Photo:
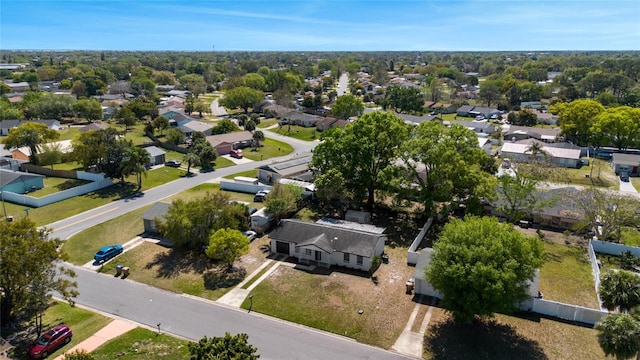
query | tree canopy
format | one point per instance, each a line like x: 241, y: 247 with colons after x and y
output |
x: 347, y: 106
x: 227, y: 245
x: 241, y: 97
x: 229, y: 347
x: 363, y: 152
x: 29, y: 270
x: 403, y: 99
x: 482, y: 266
x: 619, y: 335
x: 31, y: 135
x: 620, y: 290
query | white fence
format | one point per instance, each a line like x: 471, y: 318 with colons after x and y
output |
x: 242, y: 187
x: 567, y: 311
x: 595, y: 270
x: 412, y: 253
x: 99, y: 182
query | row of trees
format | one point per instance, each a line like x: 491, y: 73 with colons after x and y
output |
x: 429, y: 164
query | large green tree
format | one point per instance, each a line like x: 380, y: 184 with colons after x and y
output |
x: 403, y: 99
x: 364, y: 153
x: 443, y: 165
x: 190, y: 224
x: 347, y: 106
x: 31, y: 135
x: 90, y: 148
x: 29, y: 270
x: 227, y: 245
x: 229, y: 347
x: 481, y: 266
x: 618, y: 126
x: 89, y: 109
x: 619, y: 335
x: 282, y: 200
x: 490, y: 92
x: 241, y: 97
x: 576, y: 119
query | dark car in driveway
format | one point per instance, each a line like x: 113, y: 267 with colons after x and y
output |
x: 107, y: 253
x: 50, y: 341
x: 173, y: 163
x: 261, y: 195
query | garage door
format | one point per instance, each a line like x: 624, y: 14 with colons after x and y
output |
x: 282, y: 247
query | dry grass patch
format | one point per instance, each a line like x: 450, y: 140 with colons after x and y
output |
x: 330, y: 300
x: 509, y: 337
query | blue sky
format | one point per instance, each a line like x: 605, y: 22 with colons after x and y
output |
x: 342, y: 25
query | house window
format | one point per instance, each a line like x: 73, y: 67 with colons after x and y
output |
x: 359, y: 260
x: 307, y: 252
x: 346, y: 258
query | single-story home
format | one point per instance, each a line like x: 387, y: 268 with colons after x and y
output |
x: 18, y: 87
x: 20, y: 182
x: 156, y: 154
x: 224, y: 143
x: 520, y: 150
x: 485, y: 144
x: 301, y: 119
x: 464, y: 110
x: 296, y: 168
x: 7, y: 125
x: 196, y: 126
x: 516, y: 133
x: 327, y: 245
x: 629, y: 163
x: 22, y: 153
x: 480, y: 127
x: 415, y: 120
x: 560, y: 214
x: 443, y: 108
x: 96, y: 125
x: 484, y: 111
x: 530, y: 104
x: 156, y: 211
x: 547, y: 118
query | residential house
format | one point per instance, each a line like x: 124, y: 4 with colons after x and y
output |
x: 20, y: 182
x: 9, y: 164
x: 516, y: 133
x: 443, y: 108
x: 521, y: 150
x: 327, y: 245
x: 156, y: 212
x: 546, y: 118
x: 13, y: 67
x: 530, y: 105
x: 480, y: 127
x: 296, y: 169
x: 196, y: 126
x: 156, y: 154
x: 184, y: 93
x: 301, y: 119
x: 7, y: 125
x: 224, y: 143
x: 483, y: 111
x: 326, y: 123
x: 629, y: 163
x: 94, y: 126
x: 23, y: 153
x: 485, y: 144
x: 18, y: 87
x: 558, y: 213
x: 464, y: 110
x: 415, y: 120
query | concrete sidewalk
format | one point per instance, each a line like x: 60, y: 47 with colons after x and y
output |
x: 112, y: 330
x: 409, y: 342
x: 236, y: 296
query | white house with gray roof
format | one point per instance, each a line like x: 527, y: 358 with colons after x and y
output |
x: 156, y: 212
x: 327, y: 245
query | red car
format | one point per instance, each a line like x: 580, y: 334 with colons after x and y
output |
x: 50, y: 341
x: 236, y: 154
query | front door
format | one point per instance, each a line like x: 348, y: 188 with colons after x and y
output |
x: 318, y: 255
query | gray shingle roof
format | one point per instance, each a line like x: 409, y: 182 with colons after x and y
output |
x: 157, y: 210
x: 327, y: 238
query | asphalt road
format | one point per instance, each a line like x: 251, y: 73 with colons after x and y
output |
x: 66, y: 228
x: 342, y: 84
x: 192, y: 318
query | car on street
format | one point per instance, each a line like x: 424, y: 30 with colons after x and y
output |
x: 251, y: 235
x: 107, y: 253
x: 50, y: 341
x: 173, y: 163
x: 261, y: 195
x: 236, y: 153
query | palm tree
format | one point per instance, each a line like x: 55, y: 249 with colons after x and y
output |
x: 619, y: 335
x: 536, y: 148
x: 190, y: 158
x: 135, y: 162
x: 620, y: 289
x: 257, y: 137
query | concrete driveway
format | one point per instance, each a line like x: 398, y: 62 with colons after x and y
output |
x: 627, y: 187
x: 236, y: 161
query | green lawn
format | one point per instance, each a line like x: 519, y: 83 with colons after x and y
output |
x: 271, y: 148
x: 222, y: 163
x: 630, y: 236
x: 298, y: 132
x: 54, y: 184
x: 636, y: 182
x: 81, y: 247
x: 143, y: 344
x: 602, y: 176
x: 72, y: 165
x: 266, y: 123
x: 68, y: 133
x: 566, y: 276
x: 165, y: 268
x: 82, y: 322
x: 249, y: 173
